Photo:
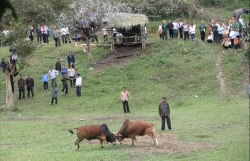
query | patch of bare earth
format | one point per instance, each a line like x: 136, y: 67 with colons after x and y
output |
x: 121, y: 56
x: 220, y: 74
x: 33, y: 60
x: 168, y: 144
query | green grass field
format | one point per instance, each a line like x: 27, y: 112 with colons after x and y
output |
x: 35, y: 130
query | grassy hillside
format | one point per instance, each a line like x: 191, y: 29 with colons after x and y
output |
x: 200, y: 113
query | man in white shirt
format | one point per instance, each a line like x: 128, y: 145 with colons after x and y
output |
x: 53, y: 74
x: 64, y: 32
x: 175, y: 28
x: 105, y: 34
x: 78, y: 85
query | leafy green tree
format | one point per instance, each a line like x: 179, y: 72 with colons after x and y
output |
x: 17, y: 37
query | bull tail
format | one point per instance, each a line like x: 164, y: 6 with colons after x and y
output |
x: 71, y: 130
x: 154, y: 130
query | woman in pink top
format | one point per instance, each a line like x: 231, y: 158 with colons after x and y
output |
x: 43, y: 31
x: 124, y: 97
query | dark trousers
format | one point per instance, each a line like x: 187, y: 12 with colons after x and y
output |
x: 165, y: 35
x: 64, y: 38
x: 232, y: 42
x: 65, y: 87
x: 163, y: 118
x: 53, y: 82
x: 21, y: 91
x: 125, y: 106
x: 47, y: 38
x: 71, y: 82
x: 186, y: 35
x: 39, y: 37
x: 30, y: 90
x: 181, y: 33
x: 44, y: 38
x: 216, y: 36
x: 171, y: 33
x: 71, y: 63
x: 202, y: 35
x: 45, y: 85
x: 209, y: 41
x: 78, y: 91
x: 74, y: 82
x: 12, y: 86
x: 220, y: 38
x: 57, y: 42
x: 105, y: 38
x: 31, y: 37
x: 52, y: 100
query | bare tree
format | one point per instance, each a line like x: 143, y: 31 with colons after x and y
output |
x: 90, y: 13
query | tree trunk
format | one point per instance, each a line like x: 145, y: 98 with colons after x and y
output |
x: 9, y: 94
x: 89, y: 51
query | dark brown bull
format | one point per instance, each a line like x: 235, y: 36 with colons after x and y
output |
x: 90, y: 132
x: 130, y: 129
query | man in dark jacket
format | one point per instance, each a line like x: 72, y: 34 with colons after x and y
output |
x: 71, y: 59
x: 164, y: 113
x: 21, y: 85
x: 3, y: 65
x: 164, y: 30
x: 65, y: 83
x: 39, y: 33
x: 30, y: 85
x: 58, y: 65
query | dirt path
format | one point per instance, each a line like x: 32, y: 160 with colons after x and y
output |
x: 220, y: 74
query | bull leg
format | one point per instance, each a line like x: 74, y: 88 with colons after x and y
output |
x: 101, y: 143
x: 134, y: 140
x: 77, y: 143
x: 154, y: 138
x: 103, y: 138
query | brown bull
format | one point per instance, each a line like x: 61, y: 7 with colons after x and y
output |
x: 90, y: 132
x: 130, y: 129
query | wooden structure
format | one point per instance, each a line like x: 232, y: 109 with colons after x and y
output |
x: 130, y: 28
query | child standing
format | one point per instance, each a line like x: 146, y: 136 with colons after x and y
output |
x: 45, y: 79
x: 54, y: 95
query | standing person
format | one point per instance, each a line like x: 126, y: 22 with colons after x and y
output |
x: 105, y: 34
x: 63, y: 70
x: 124, y: 97
x: 30, y: 85
x: 220, y: 28
x: 65, y: 83
x: 181, y: 29
x: 145, y: 32
x: 12, y: 78
x: 47, y: 34
x: 78, y: 85
x: 54, y: 95
x: 58, y: 65
x: 71, y: 59
x: 175, y: 28
x: 214, y: 28
x: 160, y: 30
x: 38, y: 33
x: 3, y: 65
x: 53, y: 74
x: 164, y: 113
x: 31, y: 33
x: 114, y: 31
x: 71, y: 73
x: 192, y: 31
x: 164, y: 30
x: 56, y: 36
x: 202, y: 30
x: 186, y: 30
x: 43, y: 31
x: 64, y: 34
x: 74, y: 78
x: 45, y: 79
x: 21, y: 85
x: 170, y: 28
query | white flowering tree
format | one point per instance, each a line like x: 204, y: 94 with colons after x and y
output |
x: 92, y: 11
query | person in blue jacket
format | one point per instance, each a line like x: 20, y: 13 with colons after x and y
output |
x: 45, y: 80
x: 64, y: 70
x: 71, y: 60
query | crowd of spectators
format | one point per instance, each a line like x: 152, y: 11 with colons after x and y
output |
x: 227, y: 34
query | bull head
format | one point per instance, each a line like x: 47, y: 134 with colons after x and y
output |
x: 119, y: 138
